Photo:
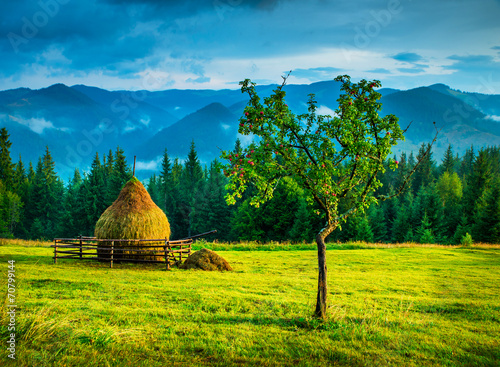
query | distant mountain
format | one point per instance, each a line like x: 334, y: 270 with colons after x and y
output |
x: 489, y: 104
x: 211, y: 128
x: 78, y: 121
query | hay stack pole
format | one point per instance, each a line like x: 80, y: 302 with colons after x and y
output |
x: 133, y: 215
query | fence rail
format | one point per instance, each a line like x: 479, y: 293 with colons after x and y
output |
x: 125, y: 250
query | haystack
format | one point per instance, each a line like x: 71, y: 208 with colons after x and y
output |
x: 133, y: 215
x: 205, y: 259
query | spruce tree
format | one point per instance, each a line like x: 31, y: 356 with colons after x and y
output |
x: 363, y: 230
x: 487, y: 215
x: 6, y: 165
x: 378, y: 222
x: 93, y: 195
x: 166, y: 186
x: 448, y: 162
x: 477, y: 181
x: 449, y: 189
x: 402, y: 228
x: 467, y: 163
x: 424, y: 173
x: 120, y: 174
x: 153, y: 189
x: 71, y: 224
x: 191, y: 184
x: 302, y: 228
x: 44, y: 202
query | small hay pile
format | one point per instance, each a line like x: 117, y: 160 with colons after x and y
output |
x: 133, y: 215
x: 205, y: 259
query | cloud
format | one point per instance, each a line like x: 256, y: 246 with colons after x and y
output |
x: 37, y: 125
x: 411, y: 70
x: 407, y: 57
x: 474, y: 63
x: 315, y: 74
x: 214, y: 43
x: 493, y: 117
x: 379, y: 71
x: 201, y: 79
x: 324, y: 110
x: 153, y: 165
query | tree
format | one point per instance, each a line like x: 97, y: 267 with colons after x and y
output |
x: 449, y: 162
x: 302, y: 230
x: 166, y: 186
x: 46, y: 192
x: 120, y: 174
x: 449, y: 189
x: 71, y: 222
x: 10, y: 211
x: 331, y: 158
x: 424, y: 174
x: 191, y: 183
x: 6, y: 165
x: 487, y: 215
x: 93, y: 196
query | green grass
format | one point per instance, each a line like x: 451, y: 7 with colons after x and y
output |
x: 401, y: 306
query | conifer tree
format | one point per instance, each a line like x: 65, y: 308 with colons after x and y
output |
x: 93, y: 195
x: 153, y: 189
x: 378, y: 222
x: 120, y: 174
x: 448, y: 162
x: 302, y: 228
x: 166, y: 186
x: 424, y: 174
x: 6, y: 165
x: 45, y: 198
x: 363, y: 230
x: 487, y: 215
x: 71, y: 224
x: 191, y: 184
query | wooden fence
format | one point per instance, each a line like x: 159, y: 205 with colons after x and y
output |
x: 114, y: 250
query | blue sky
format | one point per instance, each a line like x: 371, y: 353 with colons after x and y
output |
x: 213, y: 44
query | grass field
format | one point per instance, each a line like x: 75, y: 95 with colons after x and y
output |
x: 388, y: 305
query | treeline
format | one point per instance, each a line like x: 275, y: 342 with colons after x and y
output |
x: 441, y: 203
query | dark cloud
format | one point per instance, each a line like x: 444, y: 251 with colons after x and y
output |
x: 121, y: 38
x: 474, y: 63
x: 407, y: 57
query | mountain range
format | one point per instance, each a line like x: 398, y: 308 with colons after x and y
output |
x: 78, y: 121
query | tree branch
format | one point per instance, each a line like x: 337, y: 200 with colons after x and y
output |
x: 407, y: 179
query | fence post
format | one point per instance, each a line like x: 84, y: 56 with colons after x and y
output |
x: 112, y: 248
x: 55, y: 251
x: 81, y: 252
x: 167, y: 260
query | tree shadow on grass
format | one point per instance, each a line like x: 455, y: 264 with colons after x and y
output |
x: 294, y: 323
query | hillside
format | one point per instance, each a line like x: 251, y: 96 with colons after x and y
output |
x: 78, y: 121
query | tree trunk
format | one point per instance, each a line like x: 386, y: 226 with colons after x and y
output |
x: 322, y: 283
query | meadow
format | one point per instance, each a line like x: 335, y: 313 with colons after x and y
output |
x: 397, y: 305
